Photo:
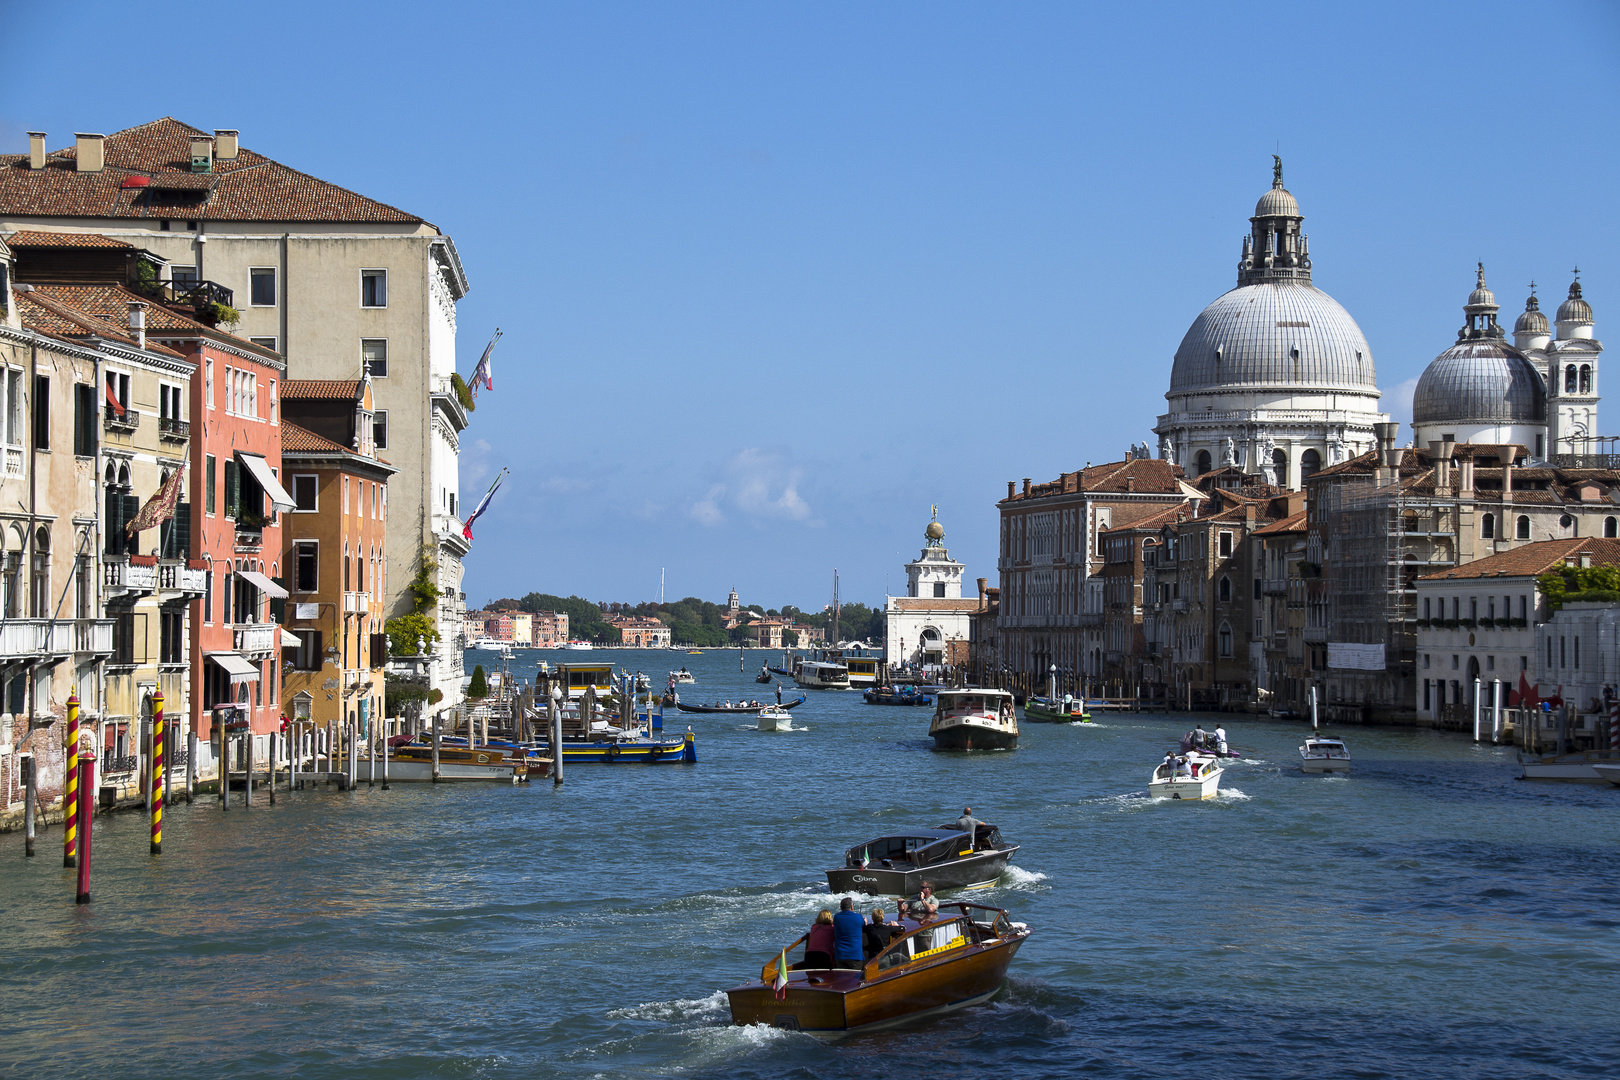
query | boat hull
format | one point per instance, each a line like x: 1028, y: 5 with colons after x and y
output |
x: 843, y: 1002
x: 1611, y: 773
x: 1042, y: 714
x: 1187, y: 789
x: 1580, y: 768
x: 975, y: 871
x: 1325, y: 765
x: 967, y: 736
x: 644, y: 752
x: 413, y: 769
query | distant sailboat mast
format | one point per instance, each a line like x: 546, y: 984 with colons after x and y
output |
x: 834, y: 642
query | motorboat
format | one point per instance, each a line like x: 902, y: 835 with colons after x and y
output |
x: 1063, y: 710
x: 412, y: 762
x: 1611, y: 773
x: 897, y: 864
x: 1581, y: 767
x: 821, y: 675
x: 774, y: 718
x: 971, y: 719
x: 1321, y: 754
x: 891, y: 695
x: 738, y: 707
x: 488, y: 644
x: 956, y: 960
x: 577, y: 646
x: 1190, y: 776
x: 682, y: 676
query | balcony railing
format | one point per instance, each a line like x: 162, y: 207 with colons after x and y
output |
x: 22, y: 639
x: 256, y: 638
x: 176, y: 576
x: 356, y: 603
x: 118, y: 763
x: 121, y: 575
x: 1275, y: 586
x: 128, y: 420
x: 172, y: 428
x: 93, y: 636
x: 14, y: 461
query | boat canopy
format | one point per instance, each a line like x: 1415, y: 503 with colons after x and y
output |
x: 921, y: 847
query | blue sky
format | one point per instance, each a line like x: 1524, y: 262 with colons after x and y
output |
x: 776, y: 277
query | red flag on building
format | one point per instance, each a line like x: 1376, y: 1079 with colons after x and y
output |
x: 112, y: 399
x: 159, y: 507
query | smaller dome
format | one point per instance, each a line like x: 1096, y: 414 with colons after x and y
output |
x: 1534, y: 320
x: 1575, y: 309
x: 1481, y: 298
x: 1277, y: 203
x: 1480, y: 382
x: 935, y: 531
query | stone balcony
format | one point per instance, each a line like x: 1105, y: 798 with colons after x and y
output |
x: 256, y: 639
x: 129, y: 577
x: 126, y: 421
x: 41, y: 639
x: 176, y: 575
x: 356, y: 603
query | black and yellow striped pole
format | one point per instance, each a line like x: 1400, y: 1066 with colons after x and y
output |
x: 157, y: 773
x: 70, y: 791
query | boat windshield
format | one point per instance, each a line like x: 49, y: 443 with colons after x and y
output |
x: 933, y: 939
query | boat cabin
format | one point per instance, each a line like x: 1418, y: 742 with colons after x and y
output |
x: 1319, y: 747
x: 576, y: 677
x: 962, y: 702
x: 923, y: 847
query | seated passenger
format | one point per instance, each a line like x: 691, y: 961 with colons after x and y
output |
x: 877, y: 934
x: 925, y: 899
x: 818, y: 947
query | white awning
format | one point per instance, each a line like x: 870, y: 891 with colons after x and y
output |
x: 263, y: 584
x: 290, y: 641
x: 260, y: 468
x: 240, y: 670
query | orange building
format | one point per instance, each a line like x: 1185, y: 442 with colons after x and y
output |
x: 334, y: 552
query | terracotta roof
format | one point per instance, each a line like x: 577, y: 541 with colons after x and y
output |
x: 25, y: 238
x: 1155, y: 519
x: 932, y: 603
x: 295, y: 439
x: 59, y: 318
x: 1531, y: 560
x: 321, y: 389
x: 250, y: 188
x: 1137, y: 476
x: 1294, y: 523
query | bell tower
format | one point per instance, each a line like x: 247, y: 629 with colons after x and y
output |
x: 1572, y: 377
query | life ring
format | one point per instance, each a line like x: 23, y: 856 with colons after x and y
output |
x: 612, y: 752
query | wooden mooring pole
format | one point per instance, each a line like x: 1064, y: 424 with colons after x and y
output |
x: 70, y: 794
x: 29, y: 799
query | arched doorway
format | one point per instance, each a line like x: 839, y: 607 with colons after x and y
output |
x: 1201, y: 463
x: 1309, y: 462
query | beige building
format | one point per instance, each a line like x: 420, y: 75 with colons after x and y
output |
x: 638, y: 632
x: 550, y: 628
x: 330, y: 279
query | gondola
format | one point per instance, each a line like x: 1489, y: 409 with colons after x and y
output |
x: 751, y: 710
x: 763, y: 677
x: 956, y: 960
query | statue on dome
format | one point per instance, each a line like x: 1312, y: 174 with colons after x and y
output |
x: 1167, y: 449
x: 1276, y: 170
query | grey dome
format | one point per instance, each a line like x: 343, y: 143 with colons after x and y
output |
x: 1277, y: 203
x: 1480, y: 381
x: 1274, y: 334
x: 1482, y: 297
x: 1575, y: 309
x: 1534, y: 320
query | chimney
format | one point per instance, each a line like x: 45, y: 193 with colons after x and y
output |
x: 1026, y: 485
x: 1442, y: 477
x: 202, y: 153
x: 1012, y: 488
x: 36, y: 150
x: 983, y: 582
x: 225, y: 144
x: 1465, y: 483
x: 91, y: 154
x: 1586, y: 560
x: 1389, y: 453
x: 137, y: 322
x: 1507, y: 482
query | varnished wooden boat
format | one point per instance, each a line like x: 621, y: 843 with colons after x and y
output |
x: 413, y: 763
x: 957, y: 960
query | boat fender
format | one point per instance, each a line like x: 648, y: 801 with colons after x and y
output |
x: 612, y: 751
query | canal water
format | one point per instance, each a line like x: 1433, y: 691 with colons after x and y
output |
x: 1428, y: 916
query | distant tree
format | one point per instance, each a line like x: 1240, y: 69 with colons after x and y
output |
x: 790, y: 639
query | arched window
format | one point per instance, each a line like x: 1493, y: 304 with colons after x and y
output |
x: 40, y: 572
x: 1487, y: 526
x: 1225, y: 639
x: 1226, y: 590
x: 1569, y: 379
x: 1309, y: 463
x: 1201, y: 463
x: 1609, y: 527
x: 1523, y: 530
x: 1279, y: 462
x: 1567, y: 522
x: 1586, y: 378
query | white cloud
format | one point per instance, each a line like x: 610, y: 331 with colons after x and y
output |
x: 754, y: 483
x: 1398, y: 402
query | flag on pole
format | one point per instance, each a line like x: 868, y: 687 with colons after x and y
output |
x: 482, y: 373
x: 866, y: 857
x: 780, y: 985
x: 160, y: 507
x: 483, y: 504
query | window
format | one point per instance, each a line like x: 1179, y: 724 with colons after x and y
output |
x: 939, y: 589
x: 1541, y: 445
x: 267, y: 342
x: 208, y: 596
x: 1426, y: 611
x: 1522, y: 532
x: 1309, y: 464
x: 1425, y: 661
x: 233, y: 488
x: 1609, y: 527
x: 208, y: 383
x: 272, y: 401
x: 1487, y: 527
x: 1226, y: 587
x: 42, y: 412
x: 1225, y: 638
x: 85, y: 417
x: 14, y: 407
x: 1225, y: 545
x: 1473, y: 608
x: 307, y: 657
x: 173, y: 642
x: 306, y: 566
x: 379, y: 429
x: 183, y: 277
x: 262, y: 286
x: 169, y: 407
x: 1569, y: 379
x: 374, y: 356
x: 345, y: 496
x: 1586, y: 379
x: 374, y: 288
x: 1490, y: 663
x: 208, y: 483
x: 304, y: 493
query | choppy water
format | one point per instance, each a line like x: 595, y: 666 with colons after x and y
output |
x: 1428, y: 916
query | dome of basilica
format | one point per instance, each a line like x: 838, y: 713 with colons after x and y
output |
x: 1481, y: 381
x: 1275, y: 334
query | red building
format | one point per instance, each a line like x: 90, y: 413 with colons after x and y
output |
x: 236, y: 638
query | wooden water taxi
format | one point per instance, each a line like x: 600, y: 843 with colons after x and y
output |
x: 413, y: 763
x: 957, y: 960
x: 899, y: 863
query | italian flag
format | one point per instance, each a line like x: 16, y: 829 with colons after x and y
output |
x: 780, y: 985
x: 866, y: 857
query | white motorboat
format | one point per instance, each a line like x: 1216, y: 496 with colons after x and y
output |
x: 775, y: 718
x: 970, y: 719
x: 682, y: 676
x: 578, y: 646
x: 1193, y: 775
x: 1611, y: 773
x: 1321, y: 754
x: 490, y: 644
x: 1578, y: 768
x: 821, y: 675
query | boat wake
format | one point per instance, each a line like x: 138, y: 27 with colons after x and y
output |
x: 1231, y: 794
x: 1016, y: 877
x: 795, y: 904
x: 711, y: 1009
